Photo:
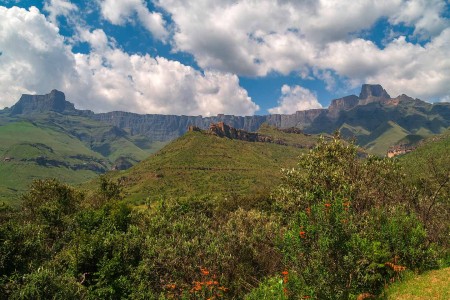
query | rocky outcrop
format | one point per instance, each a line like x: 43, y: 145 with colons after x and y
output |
x: 399, y: 150
x: 55, y: 101
x: 338, y: 105
x: 372, y: 93
x: 223, y: 130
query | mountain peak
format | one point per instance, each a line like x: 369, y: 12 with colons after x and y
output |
x: 54, y: 101
x: 372, y: 93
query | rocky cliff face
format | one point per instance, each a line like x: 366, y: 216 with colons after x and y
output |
x: 338, y: 105
x: 372, y: 93
x: 223, y: 130
x: 353, y: 109
x: 55, y: 101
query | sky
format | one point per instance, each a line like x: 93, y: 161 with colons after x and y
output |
x: 203, y: 57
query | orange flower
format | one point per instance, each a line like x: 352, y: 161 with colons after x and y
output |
x: 285, y: 273
x: 204, y: 271
x: 327, y: 205
x: 302, y: 234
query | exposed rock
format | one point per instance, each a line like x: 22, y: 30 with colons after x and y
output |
x: 338, y: 105
x: 399, y: 150
x: 372, y: 93
x: 122, y: 163
x: 55, y: 101
x: 192, y: 128
x: 291, y: 130
x: 223, y: 130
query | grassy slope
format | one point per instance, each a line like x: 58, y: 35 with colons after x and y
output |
x: 383, y: 137
x: 434, y: 151
x: 23, y: 140
x: 68, y: 140
x: 110, y: 144
x: 431, y: 285
x: 199, y: 164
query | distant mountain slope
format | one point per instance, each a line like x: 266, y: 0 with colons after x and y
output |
x: 45, y: 136
x: 118, y: 140
x: 358, y: 116
x: 202, y: 163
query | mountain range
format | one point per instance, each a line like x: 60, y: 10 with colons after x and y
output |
x: 46, y: 136
x: 374, y: 110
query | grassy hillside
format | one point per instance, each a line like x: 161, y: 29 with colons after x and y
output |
x: 29, y: 152
x: 433, y: 155
x: 431, y: 285
x: 73, y: 149
x: 199, y: 164
x: 384, y: 136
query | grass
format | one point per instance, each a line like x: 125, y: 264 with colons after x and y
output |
x: 383, y: 137
x: 199, y: 164
x: 432, y: 156
x: 430, y: 285
x: 69, y: 144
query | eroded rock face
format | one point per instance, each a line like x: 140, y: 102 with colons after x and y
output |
x: 344, y: 103
x: 54, y: 101
x: 372, y: 93
x: 221, y: 129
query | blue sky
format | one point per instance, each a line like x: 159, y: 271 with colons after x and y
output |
x: 209, y: 57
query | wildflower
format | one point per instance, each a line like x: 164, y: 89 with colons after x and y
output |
x: 285, y: 273
x: 327, y: 205
x: 302, y: 234
x: 204, y: 271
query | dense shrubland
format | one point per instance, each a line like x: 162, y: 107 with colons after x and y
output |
x: 337, y: 227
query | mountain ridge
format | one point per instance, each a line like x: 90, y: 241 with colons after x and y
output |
x: 371, y: 108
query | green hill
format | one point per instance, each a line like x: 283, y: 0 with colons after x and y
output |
x: 199, y: 164
x: 384, y: 136
x: 431, y: 156
x: 73, y: 149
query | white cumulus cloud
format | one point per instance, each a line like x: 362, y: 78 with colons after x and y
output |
x: 295, y: 98
x: 320, y: 38
x: 36, y: 59
x: 57, y: 8
x: 119, y: 12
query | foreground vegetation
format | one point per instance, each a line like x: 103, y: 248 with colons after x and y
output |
x: 338, y: 226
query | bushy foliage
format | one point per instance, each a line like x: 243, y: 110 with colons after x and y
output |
x: 337, y: 227
x: 347, y: 219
